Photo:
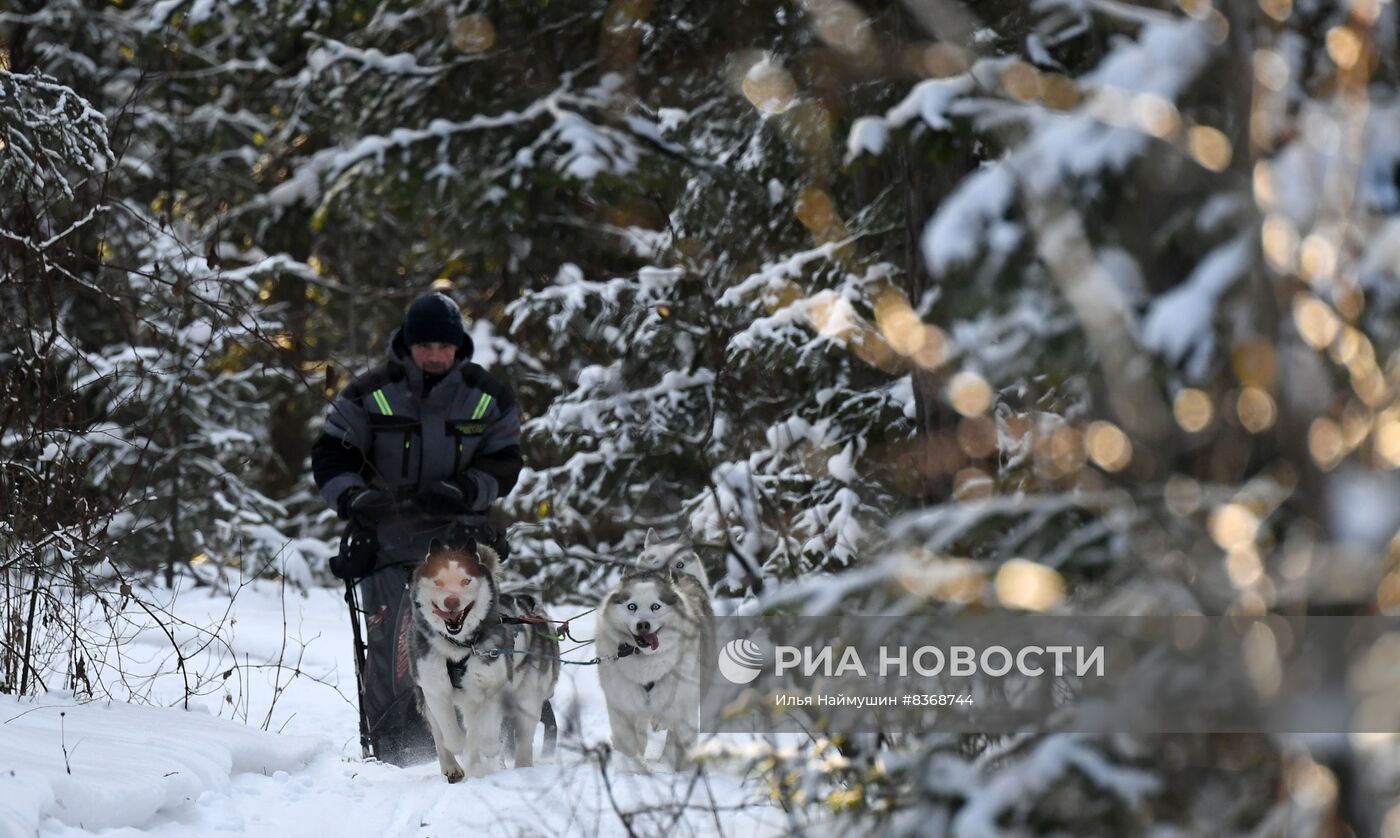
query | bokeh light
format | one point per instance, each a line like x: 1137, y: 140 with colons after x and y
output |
x: 1193, y: 410
x: 1025, y: 584
x: 969, y: 393
x: 1109, y: 447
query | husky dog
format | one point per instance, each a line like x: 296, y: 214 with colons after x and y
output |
x: 469, y: 657
x: 676, y: 557
x: 651, y: 631
x: 679, y: 559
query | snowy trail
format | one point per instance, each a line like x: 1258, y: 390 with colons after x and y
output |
x: 332, y: 796
x: 164, y: 771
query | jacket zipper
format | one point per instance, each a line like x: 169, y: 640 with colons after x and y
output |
x: 407, y: 454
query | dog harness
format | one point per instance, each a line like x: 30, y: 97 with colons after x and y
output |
x: 457, y: 669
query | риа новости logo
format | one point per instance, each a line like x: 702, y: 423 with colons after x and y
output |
x: 740, y: 661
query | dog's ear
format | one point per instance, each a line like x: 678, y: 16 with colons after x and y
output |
x: 651, y: 540
x: 489, y: 558
x: 435, y: 546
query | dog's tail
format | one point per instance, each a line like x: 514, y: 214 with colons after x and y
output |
x: 551, y: 728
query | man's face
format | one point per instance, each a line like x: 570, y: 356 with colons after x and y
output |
x: 433, y: 357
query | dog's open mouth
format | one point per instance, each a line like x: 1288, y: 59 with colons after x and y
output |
x: 650, y: 641
x: 453, y: 620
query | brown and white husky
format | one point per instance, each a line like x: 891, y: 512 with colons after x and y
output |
x: 474, y: 663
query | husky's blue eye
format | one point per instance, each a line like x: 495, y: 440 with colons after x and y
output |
x: 656, y: 606
x: 631, y: 606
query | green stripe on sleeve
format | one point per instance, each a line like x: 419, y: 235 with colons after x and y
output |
x: 481, y: 407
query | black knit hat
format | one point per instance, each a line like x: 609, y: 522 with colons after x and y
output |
x: 433, y: 318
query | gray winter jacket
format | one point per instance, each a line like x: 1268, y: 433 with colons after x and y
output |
x: 381, y: 432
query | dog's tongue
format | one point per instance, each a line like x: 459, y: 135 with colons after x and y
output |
x: 652, y: 640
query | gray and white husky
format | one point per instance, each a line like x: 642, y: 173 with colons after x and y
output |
x: 655, y: 638
x: 473, y: 665
x: 675, y: 557
x: 679, y: 559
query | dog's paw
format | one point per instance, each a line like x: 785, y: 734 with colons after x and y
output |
x: 450, y: 769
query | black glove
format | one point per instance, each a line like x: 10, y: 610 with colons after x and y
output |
x: 447, y: 498
x: 366, y: 507
x: 359, y: 551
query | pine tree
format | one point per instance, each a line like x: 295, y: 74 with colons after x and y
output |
x: 161, y: 356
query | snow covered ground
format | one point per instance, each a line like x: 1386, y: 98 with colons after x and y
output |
x: 270, y: 745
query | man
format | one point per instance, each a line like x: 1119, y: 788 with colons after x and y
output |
x: 413, y: 450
